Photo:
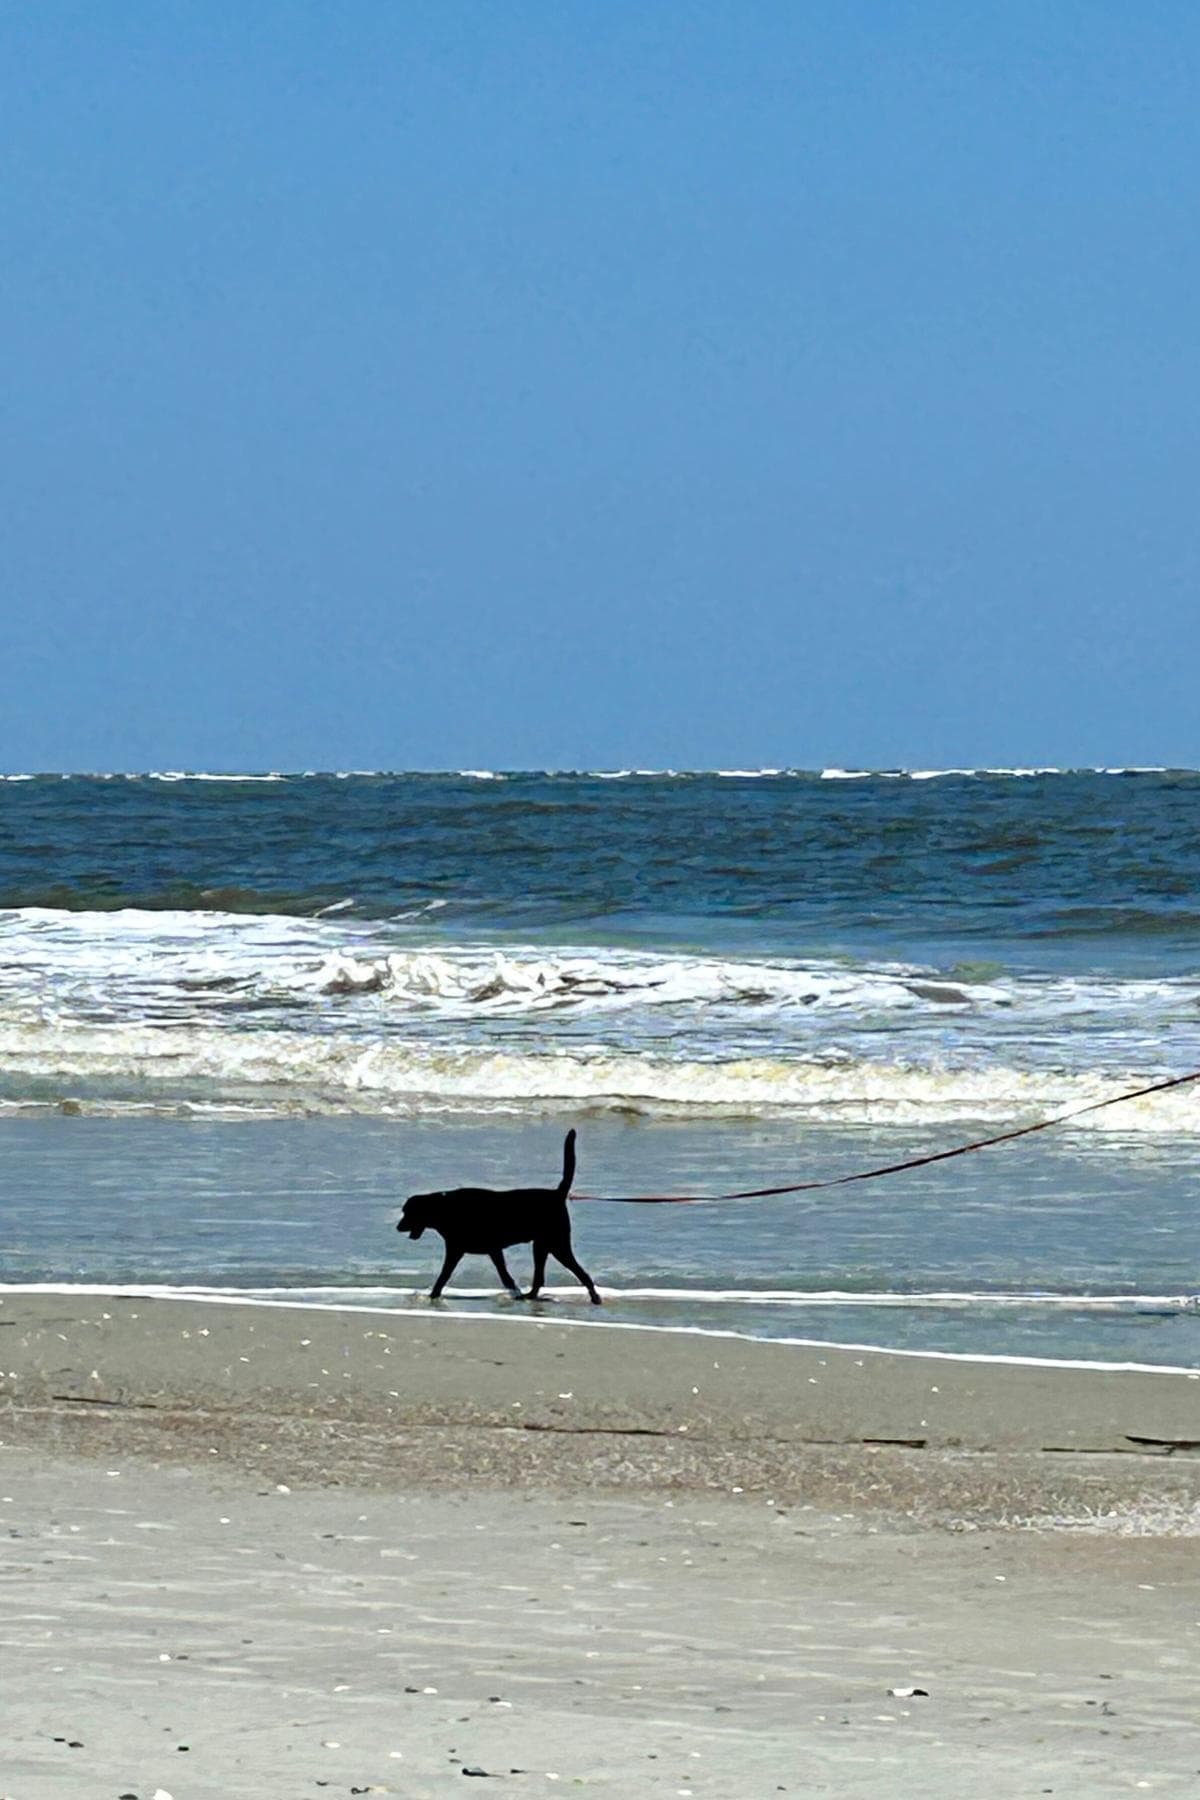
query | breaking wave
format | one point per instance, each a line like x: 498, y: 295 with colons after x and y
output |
x: 178, y: 963
x: 98, y: 1068
x: 137, y: 1008
x: 538, y: 981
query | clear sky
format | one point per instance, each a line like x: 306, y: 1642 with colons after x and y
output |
x: 591, y: 383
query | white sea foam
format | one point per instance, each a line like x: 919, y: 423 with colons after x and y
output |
x: 863, y: 775
x: 1048, y: 769
x: 206, y: 775
x: 783, y: 1298
x: 126, y: 965
x: 831, y: 773
x: 303, y: 1070
x: 836, y: 774
x: 204, y: 1008
x: 131, y: 952
x: 480, y: 977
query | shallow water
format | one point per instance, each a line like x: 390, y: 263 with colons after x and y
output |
x: 1004, y: 1253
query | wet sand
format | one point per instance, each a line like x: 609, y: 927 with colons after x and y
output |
x: 425, y: 1397
x: 633, y: 1562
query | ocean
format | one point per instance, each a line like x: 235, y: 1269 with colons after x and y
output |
x: 242, y: 1016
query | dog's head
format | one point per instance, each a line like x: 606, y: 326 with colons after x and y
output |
x: 420, y: 1211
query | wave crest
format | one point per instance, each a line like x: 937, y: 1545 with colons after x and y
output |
x: 281, y: 1071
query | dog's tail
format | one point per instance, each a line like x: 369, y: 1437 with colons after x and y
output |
x: 568, y: 1174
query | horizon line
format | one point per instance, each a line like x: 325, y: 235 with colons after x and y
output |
x: 828, y: 772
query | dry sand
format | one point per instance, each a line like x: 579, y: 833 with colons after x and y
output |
x: 627, y: 1562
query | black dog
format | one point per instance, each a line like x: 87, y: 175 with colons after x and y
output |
x: 486, y: 1221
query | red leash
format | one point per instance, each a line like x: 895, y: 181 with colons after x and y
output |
x: 916, y: 1162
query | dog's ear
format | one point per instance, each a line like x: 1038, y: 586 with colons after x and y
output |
x: 414, y: 1216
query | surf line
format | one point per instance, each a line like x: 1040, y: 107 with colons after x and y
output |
x: 913, y: 1162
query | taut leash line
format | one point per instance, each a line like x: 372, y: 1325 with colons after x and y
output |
x: 915, y: 1162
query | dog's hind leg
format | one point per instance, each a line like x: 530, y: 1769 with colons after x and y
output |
x: 502, y: 1271
x: 564, y: 1255
x: 452, y: 1260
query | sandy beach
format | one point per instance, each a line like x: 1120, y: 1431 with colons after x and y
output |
x: 263, y: 1551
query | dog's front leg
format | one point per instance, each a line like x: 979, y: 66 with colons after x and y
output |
x: 451, y: 1262
x: 540, y: 1253
x: 502, y: 1271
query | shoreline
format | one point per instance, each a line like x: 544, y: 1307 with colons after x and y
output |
x: 289, y: 1302
x: 428, y: 1398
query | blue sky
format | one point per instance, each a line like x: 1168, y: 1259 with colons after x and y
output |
x: 576, y: 385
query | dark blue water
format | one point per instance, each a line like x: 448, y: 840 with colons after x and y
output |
x: 1097, y: 870
x: 227, y: 985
